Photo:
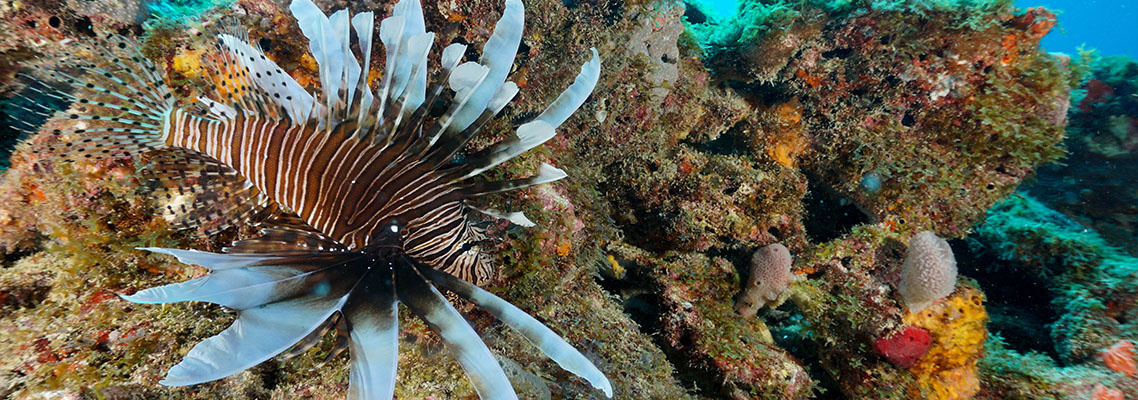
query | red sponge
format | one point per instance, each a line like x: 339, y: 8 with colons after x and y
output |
x: 904, y: 347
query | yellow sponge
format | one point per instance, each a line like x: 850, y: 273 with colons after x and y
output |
x: 958, y: 326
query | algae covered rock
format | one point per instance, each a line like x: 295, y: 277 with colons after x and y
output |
x: 685, y: 159
x: 947, y: 109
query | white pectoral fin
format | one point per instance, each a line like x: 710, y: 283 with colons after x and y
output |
x: 573, y: 96
x: 528, y: 136
x: 546, y: 174
x: 374, y: 340
x: 516, y: 217
x: 212, y: 261
x: 462, y: 341
x: 533, y: 330
x: 257, y: 335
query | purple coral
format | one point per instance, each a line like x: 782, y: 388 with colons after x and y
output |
x: 770, y: 276
x: 929, y: 271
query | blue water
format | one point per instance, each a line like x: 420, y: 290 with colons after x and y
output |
x: 1110, y: 26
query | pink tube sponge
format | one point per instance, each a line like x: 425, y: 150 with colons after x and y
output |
x: 770, y: 276
x: 929, y: 271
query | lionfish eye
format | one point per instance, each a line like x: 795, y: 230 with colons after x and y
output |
x: 394, y: 227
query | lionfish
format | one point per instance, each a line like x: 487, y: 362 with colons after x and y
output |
x: 368, y: 197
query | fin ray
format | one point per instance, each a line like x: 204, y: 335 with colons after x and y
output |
x: 197, y: 192
x: 257, y: 335
x: 461, y: 340
x: 551, y: 344
x: 374, y: 338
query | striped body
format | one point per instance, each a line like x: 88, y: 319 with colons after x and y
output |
x: 344, y: 185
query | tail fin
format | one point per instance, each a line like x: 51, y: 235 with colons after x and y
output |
x: 119, y: 102
x: 195, y: 192
x: 117, y: 105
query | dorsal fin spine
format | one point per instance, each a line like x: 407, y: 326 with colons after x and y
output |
x: 364, y: 24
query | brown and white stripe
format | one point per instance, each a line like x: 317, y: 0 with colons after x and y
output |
x: 344, y: 185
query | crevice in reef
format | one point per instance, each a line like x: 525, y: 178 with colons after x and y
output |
x: 7, y: 260
x: 1019, y: 303
x: 739, y: 256
x: 643, y: 226
x: 729, y: 143
x: 829, y: 215
x: 639, y: 300
x: 639, y: 297
x: 787, y: 330
x: 648, y: 230
x: 760, y: 94
x: 22, y: 286
x: 693, y: 14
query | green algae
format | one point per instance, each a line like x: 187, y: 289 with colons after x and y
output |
x: 849, y: 301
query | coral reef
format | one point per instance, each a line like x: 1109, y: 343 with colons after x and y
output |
x: 929, y: 100
x: 1103, y: 146
x: 839, y: 129
x: 1028, y: 255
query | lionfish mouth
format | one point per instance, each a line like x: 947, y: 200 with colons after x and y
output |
x: 360, y: 204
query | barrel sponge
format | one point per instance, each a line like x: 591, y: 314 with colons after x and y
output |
x: 770, y: 276
x: 929, y: 271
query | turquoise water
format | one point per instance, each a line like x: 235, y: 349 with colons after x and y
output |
x: 719, y: 9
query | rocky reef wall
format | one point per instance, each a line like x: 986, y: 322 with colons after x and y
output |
x: 839, y: 129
